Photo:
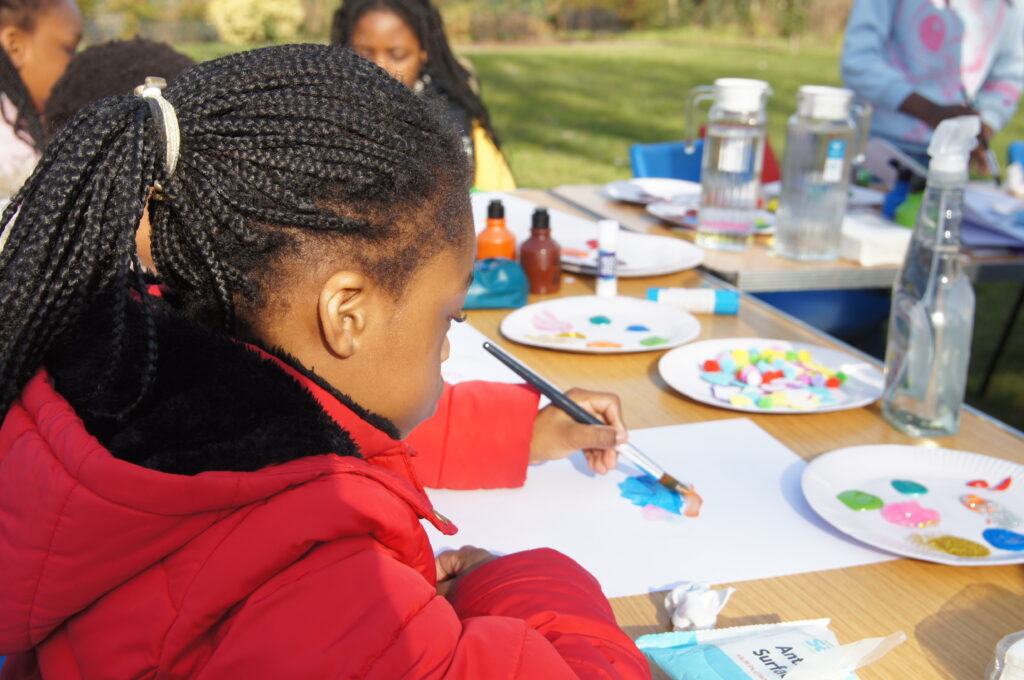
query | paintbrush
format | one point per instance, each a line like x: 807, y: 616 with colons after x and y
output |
x: 692, y: 500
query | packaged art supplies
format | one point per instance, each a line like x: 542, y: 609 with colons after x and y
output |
x: 799, y: 650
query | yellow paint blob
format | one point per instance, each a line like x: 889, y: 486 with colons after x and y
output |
x: 953, y: 545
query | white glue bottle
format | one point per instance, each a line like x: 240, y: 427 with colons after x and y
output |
x: 929, y: 343
x: 607, y: 237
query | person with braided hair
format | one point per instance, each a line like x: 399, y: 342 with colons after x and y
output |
x: 219, y: 481
x: 406, y: 38
x: 37, y: 38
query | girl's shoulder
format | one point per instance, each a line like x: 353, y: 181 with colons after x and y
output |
x: 18, y: 156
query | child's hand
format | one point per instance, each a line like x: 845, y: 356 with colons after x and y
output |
x: 454, y: 564
x: 556, y: 435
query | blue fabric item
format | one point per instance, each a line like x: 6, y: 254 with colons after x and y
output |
x: 843, y: 313
x: 667, y: 159
x: 498, y: 283
x: 1015, y: 153
x: 645, y: 490
x: 952, y: 53
x: 895, y: 198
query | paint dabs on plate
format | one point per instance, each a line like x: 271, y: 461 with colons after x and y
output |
x: 940, y: 505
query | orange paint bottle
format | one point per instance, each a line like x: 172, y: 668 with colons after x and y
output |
x: 495, y: 240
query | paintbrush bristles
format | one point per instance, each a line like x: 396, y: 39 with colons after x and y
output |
x: 670, y: 482
x: 692, y: 501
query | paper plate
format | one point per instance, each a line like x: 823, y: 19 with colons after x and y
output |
x: 608, y: 325
x: 857, y: 196
x: 682, y: 368
x: 684, y: 214
x: 648, y: 189
x: 945, y: 474
x: 638, y: 254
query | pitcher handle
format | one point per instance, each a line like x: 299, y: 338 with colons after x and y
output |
x: 862, y: 111
x: 696, y: 95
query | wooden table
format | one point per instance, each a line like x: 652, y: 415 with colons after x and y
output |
x: 757, y: 269
x: 953, y: 616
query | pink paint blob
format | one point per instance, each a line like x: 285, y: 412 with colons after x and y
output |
x: 932, y: 32
x: 546, y: 321
x: 910, y: 514
x: 654, y: 513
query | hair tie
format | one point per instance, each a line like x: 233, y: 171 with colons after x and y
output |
x: 163, y: 112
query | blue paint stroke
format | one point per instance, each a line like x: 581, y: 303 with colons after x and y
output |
x: 645, y: 490
x: 1004, y: 539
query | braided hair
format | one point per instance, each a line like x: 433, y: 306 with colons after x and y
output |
x: 20, y: 13
x: 425, y: 21
x: 282, y: 148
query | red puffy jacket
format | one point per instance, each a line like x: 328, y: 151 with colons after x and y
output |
x: 170, y: 559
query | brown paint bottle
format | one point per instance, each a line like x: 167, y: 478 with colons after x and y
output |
x: 495, y: 240
x: 541, y: 256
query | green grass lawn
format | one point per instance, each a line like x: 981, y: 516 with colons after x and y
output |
x: 568, y: 114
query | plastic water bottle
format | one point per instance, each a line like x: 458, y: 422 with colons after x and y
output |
x: 730, y: 175
x: 932, y: 315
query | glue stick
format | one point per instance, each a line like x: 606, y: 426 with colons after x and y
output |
x: 607, y: 235
x: 698, y: 300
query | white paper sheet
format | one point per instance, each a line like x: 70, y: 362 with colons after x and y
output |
x: 468, y: 360
x: 755, y: 522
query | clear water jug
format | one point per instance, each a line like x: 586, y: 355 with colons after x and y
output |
x: 823, y: 139
x: 730, y: 175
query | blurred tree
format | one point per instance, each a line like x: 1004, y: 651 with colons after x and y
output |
x: 242, y: 21
x: 133, y: 13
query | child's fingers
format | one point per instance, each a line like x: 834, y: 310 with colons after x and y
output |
x: 605, y: 406
x: 601, y: 460
x: 452, y: 563
x: 579, y: 436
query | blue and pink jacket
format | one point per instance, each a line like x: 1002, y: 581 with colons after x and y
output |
x: 949, y: 51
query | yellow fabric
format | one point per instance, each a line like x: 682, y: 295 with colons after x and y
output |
x: 492, y: 172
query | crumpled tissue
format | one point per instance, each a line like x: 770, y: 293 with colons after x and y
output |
x: 695, y: 606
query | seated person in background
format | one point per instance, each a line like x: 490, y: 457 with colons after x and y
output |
x: 922, y: 61
x: 218, y: 480
x: 99, y: 71
x: 38, y: 38
x: 115, y: 67
x: 406, y: 38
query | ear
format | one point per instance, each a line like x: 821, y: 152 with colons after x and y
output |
x: 12, y: 40
x: 343, y: 307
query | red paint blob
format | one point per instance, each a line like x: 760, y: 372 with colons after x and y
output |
x: 592, y: 244
x: 978, y: 483
x: 1003, y: 485
x: 832, y: 382
x: 711, y: 366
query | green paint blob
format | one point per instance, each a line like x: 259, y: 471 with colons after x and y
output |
x: 600, y: 320
x: 860, y: 500
x: 653, y: 341
x: 909, y: 488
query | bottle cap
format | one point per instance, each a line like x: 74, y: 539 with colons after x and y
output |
x: 827, y: 103
x: 541, y: 219
x: 496, y: 210
x: 950, y: 149
x: 727, y: 302
x: 744, y: 95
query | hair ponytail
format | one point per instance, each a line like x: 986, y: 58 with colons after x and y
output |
x: 70, y: 235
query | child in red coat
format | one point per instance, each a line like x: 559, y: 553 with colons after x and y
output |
x: 217, y: 483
